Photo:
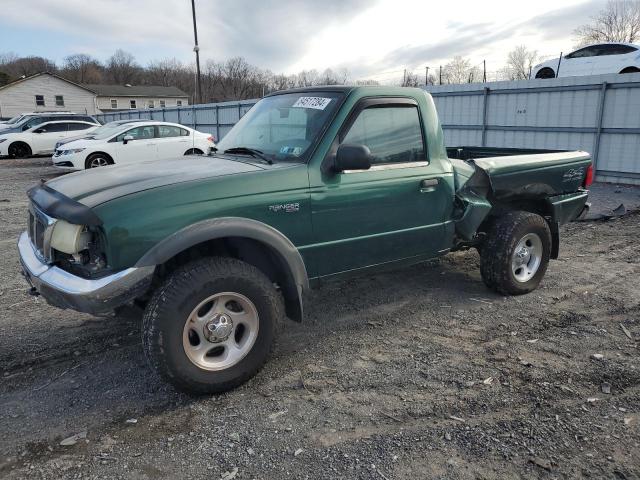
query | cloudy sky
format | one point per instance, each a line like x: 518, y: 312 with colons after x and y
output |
x: 371, y: 38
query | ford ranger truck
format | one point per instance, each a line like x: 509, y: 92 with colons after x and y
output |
x: 310, y: 185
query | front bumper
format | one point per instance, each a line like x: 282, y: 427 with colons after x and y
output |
x: 64, y: 290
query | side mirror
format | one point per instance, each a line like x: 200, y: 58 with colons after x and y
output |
x: 127, y: 138
x: 352, y: 157
x: 39, y: 130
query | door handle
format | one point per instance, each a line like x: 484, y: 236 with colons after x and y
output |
x: 428, y: 184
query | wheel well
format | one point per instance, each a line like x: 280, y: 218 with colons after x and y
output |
x: 630, y: 70
x: 538, y: 207
x: 194, y: 151
x: 21, y: 142
x: 101, y: 153
x: 540, y: 73
x: 264, y: 257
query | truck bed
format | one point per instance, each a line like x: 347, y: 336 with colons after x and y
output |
x: 526, y: 173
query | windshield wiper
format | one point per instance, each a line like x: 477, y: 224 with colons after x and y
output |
x: 250, y: 151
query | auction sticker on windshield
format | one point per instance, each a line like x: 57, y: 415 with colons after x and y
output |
x: 319, y: 103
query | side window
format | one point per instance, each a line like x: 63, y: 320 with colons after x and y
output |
x: 393, y: 134
x: 79, y: 126
x: 138, y: 133
x: 33, y: 122
x: 584, y: 52
x: 612, y: 49
x: 54, y: 127
x: 40, y: 100
x: 165, y: 131
x: 184, y: 133
x: 59, y: 101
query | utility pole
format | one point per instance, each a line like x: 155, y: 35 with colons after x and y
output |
x: 404, y: 78
x: 426, y: 76
x: 440, y: 74
x: 484, y: 70
x: 196, y: 49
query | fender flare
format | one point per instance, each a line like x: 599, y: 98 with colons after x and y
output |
x: 206, y: 230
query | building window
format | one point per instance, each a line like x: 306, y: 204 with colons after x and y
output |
x: 152, y: 104
x: 114, y: 103
x: 162, y: 104
x: 40, y: 100
x: 59, y: 101
x: 132, y: 104
x: 179, y: 103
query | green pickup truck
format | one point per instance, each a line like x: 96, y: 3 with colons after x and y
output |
x: 310, y: 185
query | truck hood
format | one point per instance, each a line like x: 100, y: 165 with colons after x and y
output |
x: 99, y: 185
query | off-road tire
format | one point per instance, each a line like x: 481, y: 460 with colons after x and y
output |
x: 175, y: 299
x: 499, y: 246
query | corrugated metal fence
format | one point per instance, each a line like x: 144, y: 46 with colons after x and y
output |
x: 599, y: 114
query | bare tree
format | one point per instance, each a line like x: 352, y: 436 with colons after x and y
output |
x: 618, y: 21
x: 121, y: 68
x: 520, y: 61
x: 410, y: 80
x: 459, y: 70
x: 17, y: 67
x: 82, y: 68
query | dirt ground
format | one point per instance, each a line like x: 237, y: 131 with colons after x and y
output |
x: 414, y: 373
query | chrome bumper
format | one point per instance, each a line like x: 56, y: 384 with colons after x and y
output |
x: 64, y: 290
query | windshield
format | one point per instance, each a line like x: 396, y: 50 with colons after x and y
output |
x: 283, y: 126
x: 15, y: 119
x: 109, y: 129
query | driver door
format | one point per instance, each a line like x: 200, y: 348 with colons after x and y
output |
x: 395, y: 210
x: 143, y: 147
x: 45, y: 136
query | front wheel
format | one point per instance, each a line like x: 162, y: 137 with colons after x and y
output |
x: 210, y: 326
x: 19, y: 150
x: 515, y: 255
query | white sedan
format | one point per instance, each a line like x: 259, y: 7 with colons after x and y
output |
x: 42, y: 138
x: 132, y: 142
x: 592, y: 60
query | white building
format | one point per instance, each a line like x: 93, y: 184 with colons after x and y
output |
x: 45, y: 92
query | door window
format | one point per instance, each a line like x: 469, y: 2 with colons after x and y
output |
x: 53, y: 127
x: 79, y: 126
x: 393, y: 134
x: 165, y: 131
x: 138, y: 133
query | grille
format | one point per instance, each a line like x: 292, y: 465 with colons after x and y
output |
x: 38, y: 223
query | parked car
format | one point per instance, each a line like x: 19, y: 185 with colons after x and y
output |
x: 41, y: 138
x: 132, y: 142
x: 592, y: 60
x: 311, y: 184
x: 98, y: 131
x: 32, y: 119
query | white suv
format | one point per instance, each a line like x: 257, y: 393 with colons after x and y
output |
x: 42, y: 138
x: 132, y: 142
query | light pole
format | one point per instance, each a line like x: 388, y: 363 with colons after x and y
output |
x: 196, y: 49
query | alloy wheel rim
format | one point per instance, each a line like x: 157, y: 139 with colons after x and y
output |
x: 98, y: 162
x: 220, y: 331
x: 526, y: 258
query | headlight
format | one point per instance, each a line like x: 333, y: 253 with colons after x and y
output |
x: 69, y: 238
x: 73, y: 150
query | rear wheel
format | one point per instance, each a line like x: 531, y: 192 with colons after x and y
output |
x: 546, y: 73
x: 96, y: 160
x: 515, y: 254
x: 210, y: 326
x: 19, y: 150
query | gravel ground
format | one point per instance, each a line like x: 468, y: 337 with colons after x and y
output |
x: 413, y: 373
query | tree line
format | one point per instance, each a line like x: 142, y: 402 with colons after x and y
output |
x: 237, y: 79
